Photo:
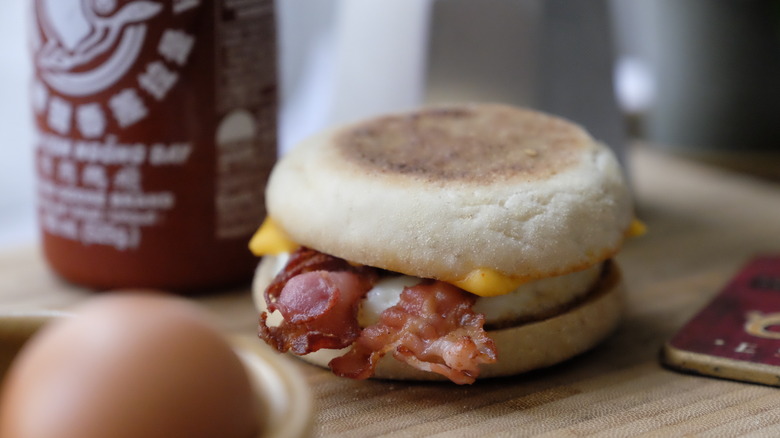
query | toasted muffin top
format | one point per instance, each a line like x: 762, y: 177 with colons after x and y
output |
x: 444, y: 192
x: 469, y: 143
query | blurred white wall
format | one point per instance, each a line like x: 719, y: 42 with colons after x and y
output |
x: 347, y: 59
x: 17, y: 205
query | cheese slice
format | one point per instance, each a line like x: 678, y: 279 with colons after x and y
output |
x: 270, y: 239
x: 488, y: 283
x: 636, y: 229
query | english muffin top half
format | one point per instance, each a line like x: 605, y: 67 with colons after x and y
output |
x: 443, y: 192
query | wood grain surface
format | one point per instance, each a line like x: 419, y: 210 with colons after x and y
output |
x: 704, y: 225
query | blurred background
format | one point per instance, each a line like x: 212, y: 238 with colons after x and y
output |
x: 696, y: 77
x: 17, y: 202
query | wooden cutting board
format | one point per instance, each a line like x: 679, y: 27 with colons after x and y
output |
x: 704, y: 224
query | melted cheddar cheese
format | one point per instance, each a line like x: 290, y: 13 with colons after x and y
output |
x: 636, y: 229
x: 488, y: 283
x: 485, y: 282
x: 270, y: 239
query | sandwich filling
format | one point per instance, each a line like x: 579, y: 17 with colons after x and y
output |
x: 316, y: 301
x: 432, y: 327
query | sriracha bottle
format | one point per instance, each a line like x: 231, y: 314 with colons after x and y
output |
x: 156, y: 131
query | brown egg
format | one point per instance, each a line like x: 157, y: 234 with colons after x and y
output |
x: 128, y: 365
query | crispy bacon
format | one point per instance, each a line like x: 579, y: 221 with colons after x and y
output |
x: 301, y: 261
x: 431, y: 328
x: 318, y: 297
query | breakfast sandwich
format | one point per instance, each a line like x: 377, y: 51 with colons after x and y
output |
x: 456, y: 242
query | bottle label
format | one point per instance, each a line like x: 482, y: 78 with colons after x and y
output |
x: 146, y: 110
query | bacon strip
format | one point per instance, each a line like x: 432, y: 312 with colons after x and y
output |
x: 301, y: 261
x: 318, y: 296
x: 431, y: 328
